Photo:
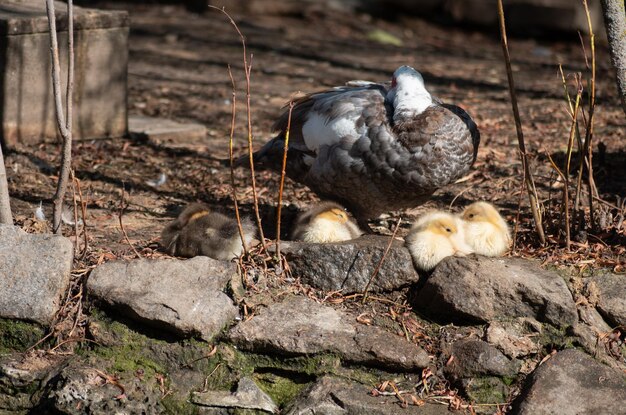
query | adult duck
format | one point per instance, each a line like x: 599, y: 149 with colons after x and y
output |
x: 374, y: 147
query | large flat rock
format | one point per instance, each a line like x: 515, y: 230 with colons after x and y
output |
x: 480, y: 289
x: 184, y: 297
x: 348, y: 265
x: 34, y: 274
x: 573, y: 383
x: 301, y: 326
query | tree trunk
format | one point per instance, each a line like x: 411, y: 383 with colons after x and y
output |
x: 5, y: 207
x: 615, y: 22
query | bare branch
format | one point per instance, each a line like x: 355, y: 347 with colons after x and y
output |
x: 5, y: 206
x: 63, y: 120
x: 248, y: 69
x: 589, y: 124
x: 230, y: 156
x: 282, y: 180
x: 528, y: 178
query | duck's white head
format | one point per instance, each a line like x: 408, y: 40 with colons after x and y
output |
x: 408, y: 93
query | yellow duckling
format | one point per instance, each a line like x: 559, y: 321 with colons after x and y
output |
x: 434, y: 236
x: 325, y: 222
x: 199, y: 231
x: 485, y: 230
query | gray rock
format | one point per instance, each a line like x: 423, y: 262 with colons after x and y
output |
x: 591, y: 334
x: 167, y: 133
x: 474, y: 358
x: 572, y: 383
x: 23, y: 378
x: 84, y: 389
x: 612, y: 297
x: 514, y: 338
x: 247, y: 396
x: 300, y: 326
x: 332, y: 396
x: 480, y: 289
x: 348, y: 265
x: 34, y: 274
x: 184, y: 297
x: 592, y: 318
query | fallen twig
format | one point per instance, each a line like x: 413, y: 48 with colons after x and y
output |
x: 83, y: 211
x: 75, y: 212
x: 380, y: 263
x: 119, y: 217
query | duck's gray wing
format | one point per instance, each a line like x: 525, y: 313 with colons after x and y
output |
x: 443, y: 143
x: 323, y: 119
x: 469, y: 122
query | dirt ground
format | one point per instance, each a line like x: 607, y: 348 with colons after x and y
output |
x: 178, y: 70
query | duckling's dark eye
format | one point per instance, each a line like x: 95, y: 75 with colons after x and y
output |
x: 471, y: 215
x: 448, y: 230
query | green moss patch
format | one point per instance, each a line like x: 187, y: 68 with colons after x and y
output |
x: 17, y: 335
x: 486, y: 390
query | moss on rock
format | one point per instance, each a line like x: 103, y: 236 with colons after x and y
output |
x: 486, y: 390
x: 18, y: 335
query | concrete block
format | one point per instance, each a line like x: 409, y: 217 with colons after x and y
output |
x: 101, y: 59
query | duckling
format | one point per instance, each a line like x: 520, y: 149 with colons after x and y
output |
x: 485, y: 229
x: 199, y: 231
x: 325, y: 222
x: 434, y: 236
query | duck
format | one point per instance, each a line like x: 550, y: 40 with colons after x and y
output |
x: 323, y: 223
x: 434, y: 236
x: 485, y: 230
x: 200, y: 231
x: 373, y: 147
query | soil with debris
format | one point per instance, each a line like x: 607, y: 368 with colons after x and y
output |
x: 178, y: 70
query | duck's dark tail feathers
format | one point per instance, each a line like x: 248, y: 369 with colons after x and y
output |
x: 264, y: 156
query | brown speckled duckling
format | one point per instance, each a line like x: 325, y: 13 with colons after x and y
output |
x: 200, y: 231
